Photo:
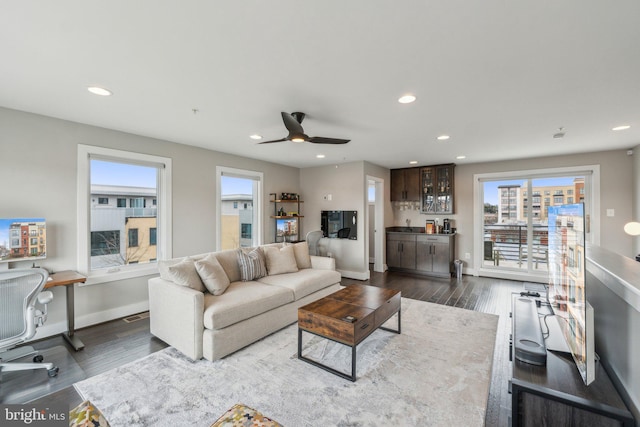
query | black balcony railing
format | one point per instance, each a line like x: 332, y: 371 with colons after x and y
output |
x: 508, y: 242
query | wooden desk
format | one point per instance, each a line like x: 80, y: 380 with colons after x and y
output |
x: 68, y: 278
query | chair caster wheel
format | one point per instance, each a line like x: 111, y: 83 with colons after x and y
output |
x: 38, y: 359
x: 53, y: 372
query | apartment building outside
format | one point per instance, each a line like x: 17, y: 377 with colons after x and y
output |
x: 236, y: 221
x: 513, y: 200
x: 123, y: 225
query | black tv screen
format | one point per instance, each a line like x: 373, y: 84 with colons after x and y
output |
x: 339, y: 224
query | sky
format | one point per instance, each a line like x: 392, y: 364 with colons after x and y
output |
x: 231, y: 185
x: 113, y: 173
x: 491, y: 187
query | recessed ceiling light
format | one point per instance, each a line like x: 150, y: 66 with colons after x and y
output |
x: 443, y: 137
x: 461, y: 157
x: 413, y: 162
x: 624, y: 127
x: 320, y: 156
x: 406, y: 99
x: 255, y: 136
x: 96, y: 90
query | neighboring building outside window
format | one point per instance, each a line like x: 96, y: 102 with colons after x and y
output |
x: 122, y: 202
x: 105, y: 242
x: 133, y: 237
x: 136, y: 203
x: 245, y: 231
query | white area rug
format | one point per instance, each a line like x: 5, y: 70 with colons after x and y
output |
x: 436, y: 373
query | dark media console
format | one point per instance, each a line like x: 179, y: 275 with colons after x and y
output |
x: 554, y: 394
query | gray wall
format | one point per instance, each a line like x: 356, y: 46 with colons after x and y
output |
x: 38, y: 157
x: 636, y: 196
x: 347, y: 184
x: 616, y: 192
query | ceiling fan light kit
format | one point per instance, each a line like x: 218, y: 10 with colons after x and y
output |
x: 293, y: 123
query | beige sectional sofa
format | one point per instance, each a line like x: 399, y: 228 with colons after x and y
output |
x: 207, y: 311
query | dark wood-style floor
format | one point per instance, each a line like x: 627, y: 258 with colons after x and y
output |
x: 115, y: 343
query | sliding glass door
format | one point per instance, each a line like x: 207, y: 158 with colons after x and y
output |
x: 513, y: 217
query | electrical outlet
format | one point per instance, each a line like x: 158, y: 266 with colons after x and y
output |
x: 467, y: 255
x: 611, y: 212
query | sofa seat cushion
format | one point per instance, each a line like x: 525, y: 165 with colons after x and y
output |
x: 241, y: 301
x: 303, y: 282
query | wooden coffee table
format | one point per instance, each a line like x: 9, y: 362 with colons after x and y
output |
x: 327, y: 317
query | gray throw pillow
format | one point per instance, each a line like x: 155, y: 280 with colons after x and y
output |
x: 212, y: 274
x: 252, y: 264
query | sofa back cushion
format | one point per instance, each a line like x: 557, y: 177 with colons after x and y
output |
x: 301, y: 252
x: 228, y: 259
x: 212, y: 274
x: 280, y: 260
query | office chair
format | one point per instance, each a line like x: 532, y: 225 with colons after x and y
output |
x: 313, y: 238
x: 19, y: 318
x: 343, y: 233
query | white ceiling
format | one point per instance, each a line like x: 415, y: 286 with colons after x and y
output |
x: 500, y: 77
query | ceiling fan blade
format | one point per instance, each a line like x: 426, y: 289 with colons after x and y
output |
x: 323, y: 140
x: 292, y: 124
x: 275, y: 140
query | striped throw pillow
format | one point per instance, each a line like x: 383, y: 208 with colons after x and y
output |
x: 252, y: 264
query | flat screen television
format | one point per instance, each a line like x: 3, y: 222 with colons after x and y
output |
x: 339, y: 224
x: 22, y: 239
x: 567, y: 292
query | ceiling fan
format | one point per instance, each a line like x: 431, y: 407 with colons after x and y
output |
x: 296, y: 134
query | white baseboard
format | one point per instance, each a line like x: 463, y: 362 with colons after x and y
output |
x: 50, y: 329
x: 358, y: 275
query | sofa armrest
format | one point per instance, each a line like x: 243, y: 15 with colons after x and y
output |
x: 177, y: 315
x: 323, y: 262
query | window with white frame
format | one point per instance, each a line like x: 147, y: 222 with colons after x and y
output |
x: 239, y: 227
x: 118, y: 242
